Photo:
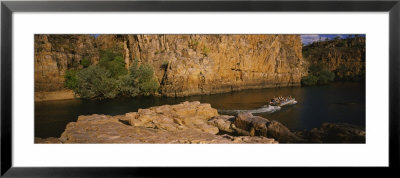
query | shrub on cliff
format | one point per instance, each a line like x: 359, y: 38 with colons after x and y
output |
x: 343, y: 73
x: 205, y: 51
x: 309, y: 80
x: 113, y: 61
x: 193, y: 43
x: 126, y: 86
x: 318, y: 74
x: 85, y: 62
x: 109, y: 78
x: 96, y: 82
x: 349, y: 53
x: 139, y: 81
x: 71, y: 81
x: 325, y: 77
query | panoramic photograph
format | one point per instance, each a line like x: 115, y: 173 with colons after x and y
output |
x: 199, y: 88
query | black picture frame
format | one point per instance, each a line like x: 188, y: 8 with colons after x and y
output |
x: 8, y: 7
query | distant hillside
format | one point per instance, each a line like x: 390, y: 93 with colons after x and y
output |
x: 344, y: 57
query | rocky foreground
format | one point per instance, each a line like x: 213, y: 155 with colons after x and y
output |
x: 193, y: 122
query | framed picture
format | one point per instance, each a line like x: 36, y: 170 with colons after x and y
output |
x: 103, y: 88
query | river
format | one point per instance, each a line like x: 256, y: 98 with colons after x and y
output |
x: 340, y: 102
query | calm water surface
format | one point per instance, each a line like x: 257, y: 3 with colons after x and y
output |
x: 335, y: 103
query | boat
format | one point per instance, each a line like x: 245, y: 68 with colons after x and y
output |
x: 282, y: 101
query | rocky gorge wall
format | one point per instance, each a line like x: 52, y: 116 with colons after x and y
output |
x: 184, y: 64
x: 54, y: 54
x: 206, y: 64
x: 344, y: 57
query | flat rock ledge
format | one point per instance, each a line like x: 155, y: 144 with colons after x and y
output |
x: 194, y: 122
x: 187, y: 122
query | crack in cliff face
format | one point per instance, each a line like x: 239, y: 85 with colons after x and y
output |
x: 165, y: 76
x: 126, y: 54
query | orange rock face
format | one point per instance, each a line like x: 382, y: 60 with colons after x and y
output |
x: 206, y: 64
x: 54, y: 54
x: 184, y: 64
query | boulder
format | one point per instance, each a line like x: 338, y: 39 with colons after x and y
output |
x: 186, y: 115
x: 223, y: 122
x: 282, y: 133
x: 334, y: 133
x: 199, y: 124
x: 247, y: 124
x: 255, y: 125
x: 114, y: 129
x: 172, y: 124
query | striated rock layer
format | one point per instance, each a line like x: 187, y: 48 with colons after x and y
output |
x: 184, y: 64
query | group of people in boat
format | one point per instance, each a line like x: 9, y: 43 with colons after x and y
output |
x: 280, y: 99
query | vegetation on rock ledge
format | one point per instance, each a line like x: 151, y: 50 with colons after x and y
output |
x: 318, y: 75
x: 343, y: 57
x: 336, y: 59
x: 109, y: 78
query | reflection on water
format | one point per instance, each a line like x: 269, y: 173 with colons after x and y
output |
x: 337, y: 103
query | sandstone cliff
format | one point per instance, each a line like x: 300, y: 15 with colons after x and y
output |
x: 184, y: 64
x: 344, y: 57
x: 54, y: 54
x: 206, y: 64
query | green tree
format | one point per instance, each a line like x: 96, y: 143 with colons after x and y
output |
x: 316, y: 68
x: 71, y: 80
x: 110, y: 79
x: 85, y: 62
x: 95, y: 82
x: 318, y: 73
x: 143, y: 77
x: 326, y: 77
x: 113, y: 61
x: 127, y: 86
x: 309, y: 80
